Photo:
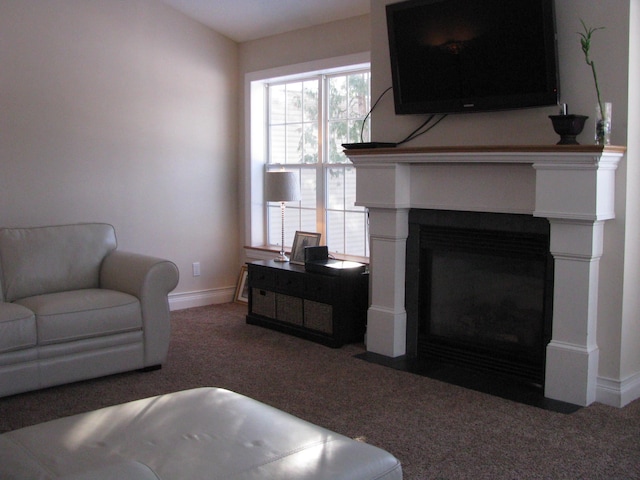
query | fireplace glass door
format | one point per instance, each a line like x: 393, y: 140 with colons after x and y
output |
x: 483, y: 297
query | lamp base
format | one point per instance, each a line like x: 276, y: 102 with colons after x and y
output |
x: 281, y: 258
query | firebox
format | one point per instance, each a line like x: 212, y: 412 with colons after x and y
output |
x: 479, y: 290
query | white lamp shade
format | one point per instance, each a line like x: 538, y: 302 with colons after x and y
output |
x: 282, y: 187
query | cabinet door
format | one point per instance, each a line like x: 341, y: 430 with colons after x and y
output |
x: 261, y: 277
x: 290, y: 283
x: 320, y: 288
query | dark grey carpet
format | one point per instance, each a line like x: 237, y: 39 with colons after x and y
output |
x: 437, y: 430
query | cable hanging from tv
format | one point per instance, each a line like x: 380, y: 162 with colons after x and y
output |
x: 369, y: 113
x: 416, y: 133
x: 413, y: 135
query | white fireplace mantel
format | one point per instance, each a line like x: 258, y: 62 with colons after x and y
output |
x: 571, y: 185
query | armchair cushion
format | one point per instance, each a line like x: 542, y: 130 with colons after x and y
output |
x: 79, y: 314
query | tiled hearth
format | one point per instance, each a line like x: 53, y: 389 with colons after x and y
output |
x: 571, y: 186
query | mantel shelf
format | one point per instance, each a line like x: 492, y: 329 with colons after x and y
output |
x: 581, y: 154
x: 531, y: 149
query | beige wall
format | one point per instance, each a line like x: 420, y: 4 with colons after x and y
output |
x: 123, y: 112
x: 334, y: 39
x: 618, y: 301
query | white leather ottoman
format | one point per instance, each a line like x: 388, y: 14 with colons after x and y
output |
x: 205, y: 433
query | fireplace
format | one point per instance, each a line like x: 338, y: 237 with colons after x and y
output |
x: 569, y: 186
x: 479, y: 291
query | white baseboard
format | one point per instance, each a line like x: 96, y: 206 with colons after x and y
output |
x: 618, y: 393
x: 180, y: 301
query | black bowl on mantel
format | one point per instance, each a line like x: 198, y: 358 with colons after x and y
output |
x: 568, y: 127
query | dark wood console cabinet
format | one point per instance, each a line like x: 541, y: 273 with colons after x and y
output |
x: 328, y: 309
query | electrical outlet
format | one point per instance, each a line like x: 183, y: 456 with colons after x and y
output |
x: 196, y: 269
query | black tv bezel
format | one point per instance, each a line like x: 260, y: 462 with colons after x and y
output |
x: 550, y: 96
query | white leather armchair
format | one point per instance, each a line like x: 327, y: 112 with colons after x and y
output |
x: 73, y: 307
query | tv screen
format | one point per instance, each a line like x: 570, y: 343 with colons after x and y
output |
x: 451, y: 56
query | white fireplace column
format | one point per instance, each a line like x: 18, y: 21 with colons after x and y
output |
x: 577, y: 196
x: 387, y: 317
x: 572, y: 355
x: 574, y: 189
x: 384, y: 189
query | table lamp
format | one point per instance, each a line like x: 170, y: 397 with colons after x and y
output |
x: 281, y: 186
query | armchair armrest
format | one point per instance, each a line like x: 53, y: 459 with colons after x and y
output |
x: 150, y: 279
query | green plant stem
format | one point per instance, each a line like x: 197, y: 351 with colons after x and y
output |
x: 595, y: 79
x: 585, y: 42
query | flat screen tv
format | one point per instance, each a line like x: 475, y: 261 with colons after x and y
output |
x: 452, y: 56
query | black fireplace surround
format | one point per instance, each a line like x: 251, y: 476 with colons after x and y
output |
x: 479, y: 290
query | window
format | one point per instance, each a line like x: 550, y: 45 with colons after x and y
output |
x: 307, y: 121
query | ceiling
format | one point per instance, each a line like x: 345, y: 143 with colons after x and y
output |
x: 243, y: 20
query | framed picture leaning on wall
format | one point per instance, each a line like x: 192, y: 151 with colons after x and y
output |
x: 242, y: 289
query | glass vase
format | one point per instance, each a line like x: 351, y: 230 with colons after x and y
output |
x: 603, y: 124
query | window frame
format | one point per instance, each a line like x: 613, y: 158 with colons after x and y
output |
x: 255, y: 224
x: 320, y: 168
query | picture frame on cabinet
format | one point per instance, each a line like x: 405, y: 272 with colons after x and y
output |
x: 301, y: 240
